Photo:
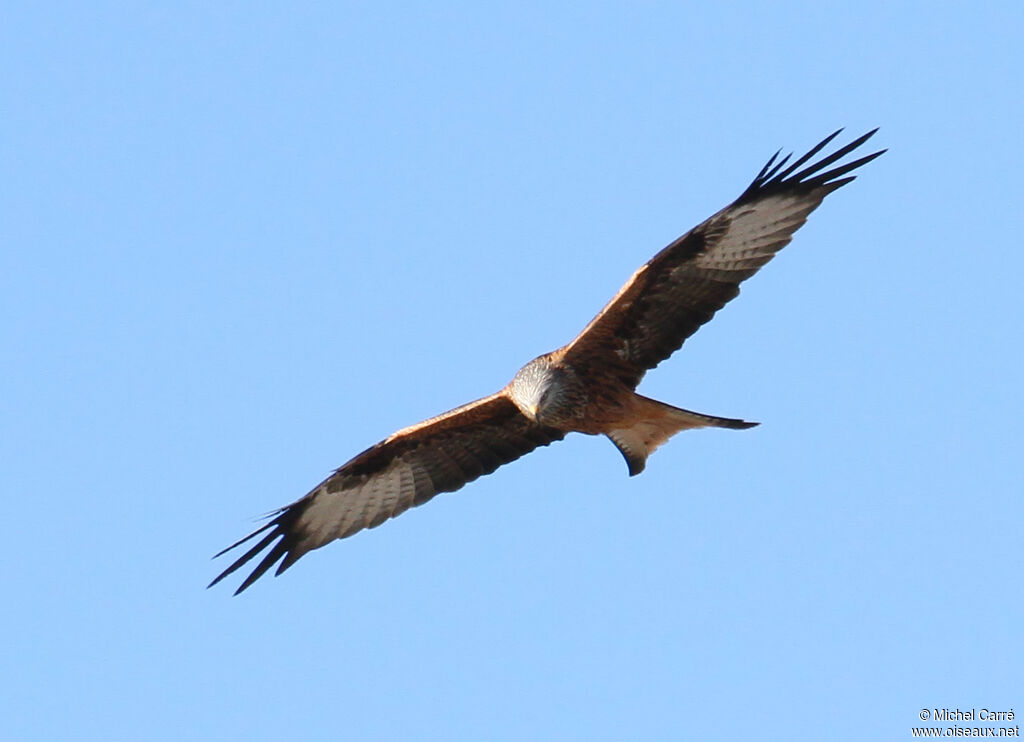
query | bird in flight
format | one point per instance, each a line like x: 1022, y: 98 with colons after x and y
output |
x: 587, y: 386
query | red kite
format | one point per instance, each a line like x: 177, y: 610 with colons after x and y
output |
x: 586, y: 386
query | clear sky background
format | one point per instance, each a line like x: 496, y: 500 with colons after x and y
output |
x: 243, y: 241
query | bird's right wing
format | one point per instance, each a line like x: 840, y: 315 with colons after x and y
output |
x: 409, y: 468
x: 681, y: 288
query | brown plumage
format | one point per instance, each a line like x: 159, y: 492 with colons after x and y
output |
x: 586, y: 386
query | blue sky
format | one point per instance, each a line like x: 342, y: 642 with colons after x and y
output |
x: 243, y: 241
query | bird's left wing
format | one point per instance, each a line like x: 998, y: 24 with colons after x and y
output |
x: 682, y: 287
x: 410, y: 467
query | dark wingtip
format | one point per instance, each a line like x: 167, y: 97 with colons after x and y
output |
x: 767, y: 165
x: 283, y: 528
x: 241, y: 541
x: 774, y: 178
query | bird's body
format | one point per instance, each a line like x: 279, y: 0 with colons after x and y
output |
x: 587, y: 386
x: 553, y: 392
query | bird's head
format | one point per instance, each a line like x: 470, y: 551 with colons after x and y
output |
x: 540, y: 389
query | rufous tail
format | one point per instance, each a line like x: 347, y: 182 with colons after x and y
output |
x: 657, y: 423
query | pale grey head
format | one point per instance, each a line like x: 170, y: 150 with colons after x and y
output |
x: 547, y: 393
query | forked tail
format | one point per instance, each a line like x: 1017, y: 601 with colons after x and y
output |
x: 657, y: 423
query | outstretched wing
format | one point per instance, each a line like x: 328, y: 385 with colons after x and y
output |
x: 682, y: 287
x: 438, y: 455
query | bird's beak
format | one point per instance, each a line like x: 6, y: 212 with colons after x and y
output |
x: 533, y: 412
